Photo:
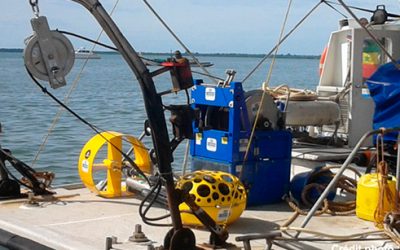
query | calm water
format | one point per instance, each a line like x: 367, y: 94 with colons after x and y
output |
x: 109, y: 97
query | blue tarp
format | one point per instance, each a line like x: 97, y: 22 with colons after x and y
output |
x: 384, y: 87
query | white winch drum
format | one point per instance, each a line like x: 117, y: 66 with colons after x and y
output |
x: 312, y: 113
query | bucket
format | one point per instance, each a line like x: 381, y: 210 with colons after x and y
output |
x: 368, y: 196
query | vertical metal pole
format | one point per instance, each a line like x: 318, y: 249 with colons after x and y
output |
x: 333, y: 182
x: 185, y: 158
x: 152, y: 102
x: 339, y: 174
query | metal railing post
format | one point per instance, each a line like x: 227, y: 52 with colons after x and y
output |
x: 340, y: 172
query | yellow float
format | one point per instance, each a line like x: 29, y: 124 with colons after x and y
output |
x: 101, y: 162
x: 220, y: 194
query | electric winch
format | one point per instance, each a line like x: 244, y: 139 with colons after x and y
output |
x: 220, y: 194
x: 101, y: 162
x: 225, y: 140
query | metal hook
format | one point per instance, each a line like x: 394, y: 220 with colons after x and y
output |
x: 35, y: 7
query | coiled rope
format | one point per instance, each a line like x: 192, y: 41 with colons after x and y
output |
x: 345, y: 183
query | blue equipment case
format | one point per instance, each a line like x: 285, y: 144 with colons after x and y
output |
x: 266, y: 169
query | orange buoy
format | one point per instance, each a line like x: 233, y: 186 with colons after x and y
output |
x: 322, y: 60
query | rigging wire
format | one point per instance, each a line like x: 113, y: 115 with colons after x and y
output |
x: 179, y: 41
x: 268, y: 78
x: 87, y: 39
x: 115, y: 49
x: 358, y: 8
x: 203, y: 74
x: 281, y: 41
x: 93, y: 127
x: 369, y: 33
x: 262, y: 98
x: 67, y: 96
x: 335, y: 9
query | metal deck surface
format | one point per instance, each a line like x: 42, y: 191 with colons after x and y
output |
x: 82, y: 220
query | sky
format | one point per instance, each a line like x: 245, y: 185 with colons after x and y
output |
x: 204, y: 26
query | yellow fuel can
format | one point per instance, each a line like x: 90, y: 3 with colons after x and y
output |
x: 368, y: 196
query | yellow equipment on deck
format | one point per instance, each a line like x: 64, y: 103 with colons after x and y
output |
x: 220, y: 194
x: 109, y: 183
x: 368, y: 196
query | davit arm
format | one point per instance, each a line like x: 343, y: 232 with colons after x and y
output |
x: 162, y: 146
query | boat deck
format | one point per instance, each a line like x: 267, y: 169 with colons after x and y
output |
x: 79, y: 219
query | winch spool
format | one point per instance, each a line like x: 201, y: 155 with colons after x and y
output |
x: 221, y: 195
x: 104, y: 177
x: 270, y: 117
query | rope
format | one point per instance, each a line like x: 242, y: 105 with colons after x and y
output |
x: 262, y: 99
x: 385, y: 195
x: 67, y: 96
x: 391, y: 227
x: 281, y: 41
x: 267, y: 83
x: 330, y: 207
x: 180, y: 42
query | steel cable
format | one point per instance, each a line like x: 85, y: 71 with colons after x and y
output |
x: 67, y: 97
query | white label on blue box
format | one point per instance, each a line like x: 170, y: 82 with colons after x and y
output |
x: 211, y: 144
x: 210, y: 94
x: 243, y: 145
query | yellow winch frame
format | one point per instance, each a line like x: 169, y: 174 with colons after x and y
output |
x: 112, y: 164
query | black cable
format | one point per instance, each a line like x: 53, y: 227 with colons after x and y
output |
x: 151, y: 203
x: 87, y: 39
x: 97, y: 42
x: 94, y: 128
x: 115, y: 49
x: 187, y: 97
x: 208, y: 75
x: 142, y: 213
x: 16, y: 179
x: 3, y: 172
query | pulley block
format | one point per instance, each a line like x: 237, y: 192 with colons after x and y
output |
x: 101, y: 162
x: 48, y: 54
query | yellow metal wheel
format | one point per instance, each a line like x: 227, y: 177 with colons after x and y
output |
x: 100, y: 162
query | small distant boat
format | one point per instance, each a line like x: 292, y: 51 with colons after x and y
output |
x: 158, y: 62
x: 83, y: 53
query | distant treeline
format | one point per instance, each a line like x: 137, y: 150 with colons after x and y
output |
x: 197, y: 54
x: 238, y: 55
